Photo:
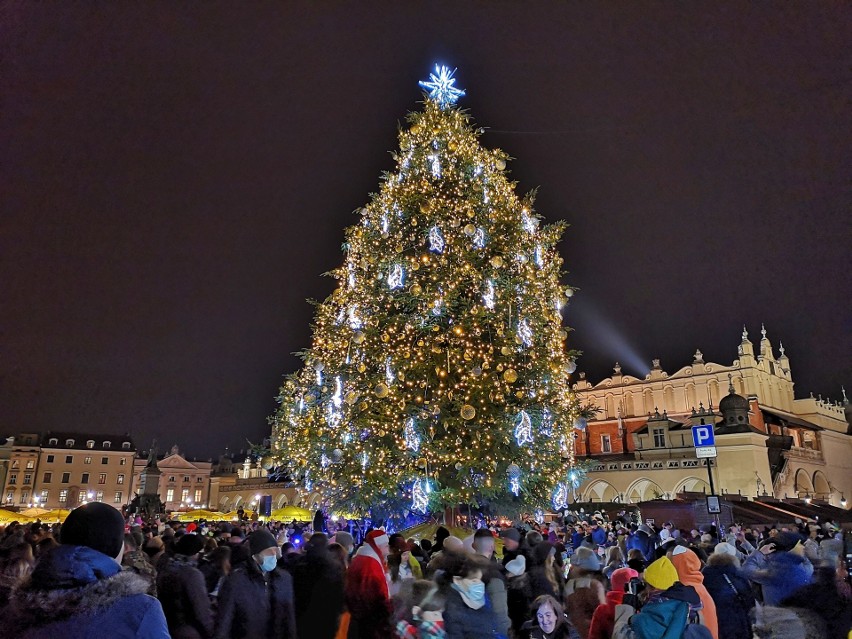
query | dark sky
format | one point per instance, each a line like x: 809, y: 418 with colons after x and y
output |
x: 176, y: 176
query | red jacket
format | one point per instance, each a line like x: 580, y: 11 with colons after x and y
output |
x: 367, y: 596
x: 603, y: 621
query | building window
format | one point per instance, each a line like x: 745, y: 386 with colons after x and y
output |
x: 47, y: 478
x: 52, y: 441
x: 69, y: 459
x: 104, y: 460
x: 659, y: 437
x: 84, y: 478
x: 171, y: 478
x: 117, y: 499
x: 102, y: 478
x: 66, y: 477
x: 50, y: 459
x: 13, y: 478
x: 69, y: 442
x: 198, y: 480
x: 28, y: 478
x: 119, y: 479
x: 184, y: 494
x: 122, y: 461
x: 63, y: 496
x: 81, y: 497
x: 10, y: 496
x: 15, y: 463
x: 606, y: 446
x: 25, y: 495
x: 87, y: 460
x: 30, y: 464
x: 197, y: 495
x: 99, y: 496
x: 107, y: 444
x: 126, y: 445
x: 170, y: 494
x: 44, y: 495
x: 186, y: 479
x: 90, y: 443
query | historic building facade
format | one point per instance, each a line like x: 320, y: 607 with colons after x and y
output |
x: 768, y: 442
x: 183, y: 484
x: 64, y: 470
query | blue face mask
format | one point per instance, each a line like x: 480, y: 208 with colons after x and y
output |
x: 476, y: 591
x: 269, y: 563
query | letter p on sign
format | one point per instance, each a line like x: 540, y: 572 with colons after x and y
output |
x: 702, y: 435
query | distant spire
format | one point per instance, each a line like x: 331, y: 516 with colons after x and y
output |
x: 781, y: 348
x: 617, y: 368
x: 731, y: 390
x: 845, y: 399
x: 745, y: 334
x: 698, y: 357
x: 763, y: 330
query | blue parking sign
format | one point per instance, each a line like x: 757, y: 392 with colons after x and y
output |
x: 702, y: 435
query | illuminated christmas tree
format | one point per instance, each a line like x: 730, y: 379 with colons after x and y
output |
x: 438, y: 373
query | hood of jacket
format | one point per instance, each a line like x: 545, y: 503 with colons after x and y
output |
x: 688, y: 567
x: 69, y: 581
x: 614, y: 598
x: 681, y: 592
x: 664, y: 619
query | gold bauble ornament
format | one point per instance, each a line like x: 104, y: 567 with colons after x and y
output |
x: 362, y: 367
x: 381, y: 390
x: 422, y: 463
x: 506, y: 350
x: 310, y: 399
x: 500, y: 164
x: 452, y: 146
x: 519, y: 394
x: 351, y: 397
x: 497, y: 261
x: 469, y: 229
x: 468, y: 412
x: 510, y: 375
x: 358, y: 337
x: 413, y: 221
x: 563, y: 334
x: 416, y: 289
x: 385, y: 338
x: 420, y: 342
x: 415, y: 129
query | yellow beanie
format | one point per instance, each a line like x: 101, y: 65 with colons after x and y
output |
x: 661, y: 574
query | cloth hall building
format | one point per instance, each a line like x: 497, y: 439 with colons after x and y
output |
x: 768, y: 442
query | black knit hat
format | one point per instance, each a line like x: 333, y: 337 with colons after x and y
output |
x: 96, y: 525
x: 189, y: 544
x: 260, y: 540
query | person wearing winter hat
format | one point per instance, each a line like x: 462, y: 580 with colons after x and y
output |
x: 731, y: 592
x: 183, y: 591
x: 688, y: 568
x: 662, y: 610
x: 511, y: 544
x: 78, y: 588
x: 603, y: 618
x: 367, y: 590
x: 780, y: 567
x: 256, y: 599
x: 584, y: 590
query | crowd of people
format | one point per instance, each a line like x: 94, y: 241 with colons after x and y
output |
x: 579, y: 577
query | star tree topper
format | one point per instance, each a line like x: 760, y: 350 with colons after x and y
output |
x: 440, y: 87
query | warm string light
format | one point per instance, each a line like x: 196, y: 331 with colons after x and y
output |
x: 443, y: 340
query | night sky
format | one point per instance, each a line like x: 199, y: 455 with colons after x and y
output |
x: 175, y: 177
